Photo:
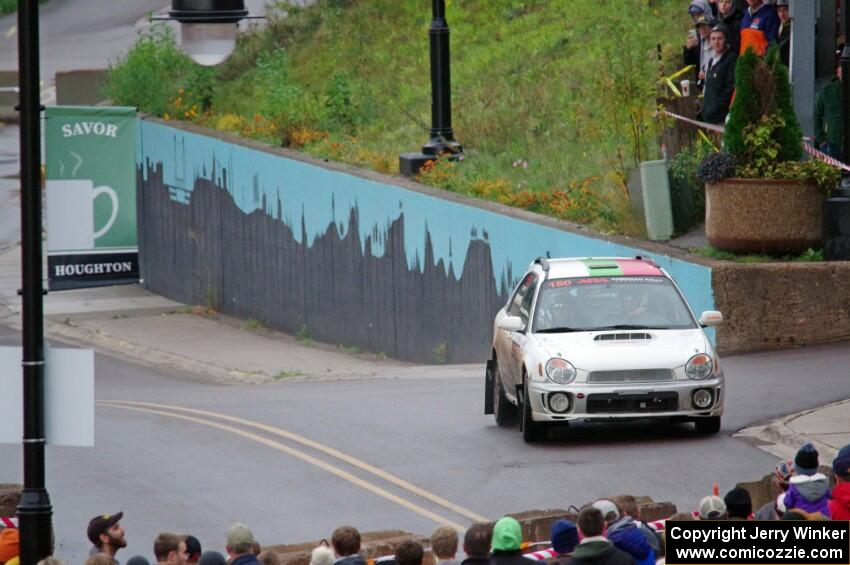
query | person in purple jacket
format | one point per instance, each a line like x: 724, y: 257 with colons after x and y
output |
x: 809, y: 489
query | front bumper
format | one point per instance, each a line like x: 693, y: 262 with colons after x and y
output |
x: 626, y: 401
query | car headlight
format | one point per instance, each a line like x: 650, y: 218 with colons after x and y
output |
x: 699, y: 367
x: 560, y: 371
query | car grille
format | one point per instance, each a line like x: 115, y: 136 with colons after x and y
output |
x: 641, y: 403
x: 630, y: 376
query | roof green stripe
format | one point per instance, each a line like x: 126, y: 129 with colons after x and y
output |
x: 602, y: 268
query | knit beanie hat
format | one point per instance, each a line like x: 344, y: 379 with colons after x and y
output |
x: 841, y: 463
x: 507, y: 535
x: 738, y: 503
x: 9, y: 544
x: 806, y: 461
x: 564, y: 536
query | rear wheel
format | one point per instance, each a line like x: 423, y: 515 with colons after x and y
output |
x: 707, y: 426
x: 531, y: 431
x: 504, y: 412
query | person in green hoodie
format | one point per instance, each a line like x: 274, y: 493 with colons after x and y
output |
x: 507, y: 543
x: 829, y: 118
x: 594, y: 548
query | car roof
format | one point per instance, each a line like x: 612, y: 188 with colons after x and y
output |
x: 570, y: 267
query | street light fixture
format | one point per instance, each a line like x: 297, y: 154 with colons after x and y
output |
x: 208, y: 27
x: 206, y: 46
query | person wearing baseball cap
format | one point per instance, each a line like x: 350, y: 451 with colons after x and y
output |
x: 839, y: 506
x: 106, y: 535
x: 240, y: 545
x: 712, y: 508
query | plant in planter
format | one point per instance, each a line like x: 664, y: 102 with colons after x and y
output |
x: 686, y: 190
x: 760, y: 196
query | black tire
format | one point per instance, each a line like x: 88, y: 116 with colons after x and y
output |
x: 504, y: 412
x: 707, y: 426
x: 531, y: 431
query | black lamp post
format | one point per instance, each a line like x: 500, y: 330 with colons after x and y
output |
x: 442, y: 141
x: 34, y: 510
x: 210, y: 40
x: 836, y: 210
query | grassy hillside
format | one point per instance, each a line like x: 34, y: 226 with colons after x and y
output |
x: 552, y: 99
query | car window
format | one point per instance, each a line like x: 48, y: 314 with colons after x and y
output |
x: 525, y: 305
x: 515, y: 306
x: 595, y: 303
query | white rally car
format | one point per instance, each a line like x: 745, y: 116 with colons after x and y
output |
x: 601, y: 339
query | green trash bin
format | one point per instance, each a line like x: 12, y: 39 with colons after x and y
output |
x: 657, y: 208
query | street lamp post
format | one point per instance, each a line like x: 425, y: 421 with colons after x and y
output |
x: 209, y: 29
x: 441, y: 141
x: 34, y: 510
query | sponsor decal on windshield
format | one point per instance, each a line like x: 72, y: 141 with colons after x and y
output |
x: 560, y: 283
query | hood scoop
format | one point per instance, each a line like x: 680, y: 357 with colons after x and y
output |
x: 623, y: 336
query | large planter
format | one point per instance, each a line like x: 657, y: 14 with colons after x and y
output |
x: 781, y: 217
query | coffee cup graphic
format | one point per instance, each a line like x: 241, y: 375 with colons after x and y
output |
x: 70, y: 214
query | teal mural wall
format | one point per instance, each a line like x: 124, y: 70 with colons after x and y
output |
x: 209, y: 205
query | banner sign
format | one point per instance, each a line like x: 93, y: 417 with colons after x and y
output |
x: 91, y: 196
x: 68, y: 396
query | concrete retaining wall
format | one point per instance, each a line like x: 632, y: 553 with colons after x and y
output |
x: 346, y: 256
x: 780, y: 305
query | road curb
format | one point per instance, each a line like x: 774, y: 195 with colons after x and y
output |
x: 780, y: 433
x: 116, y: 347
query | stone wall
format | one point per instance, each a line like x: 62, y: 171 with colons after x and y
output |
x: 10, y: 496
x: 781, y: 305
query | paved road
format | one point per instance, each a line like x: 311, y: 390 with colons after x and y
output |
x: 78, y: 34
x: 196, y: 472
x: 87, y: 34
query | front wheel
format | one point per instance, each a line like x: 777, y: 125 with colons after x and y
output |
x: 504, y: 412
x: 707, y: 426
x: 531, y: 431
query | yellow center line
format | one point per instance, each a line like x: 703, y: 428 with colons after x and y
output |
x: 11, y: 31
x: 354, y: 462
x: 302, y: 456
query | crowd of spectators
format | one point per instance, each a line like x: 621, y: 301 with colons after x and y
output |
x: 722, y: 31
x: 725, y: 29
x: 605, y: 532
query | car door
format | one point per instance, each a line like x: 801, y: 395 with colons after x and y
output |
x: 519, y: 339
x: 503, y: 340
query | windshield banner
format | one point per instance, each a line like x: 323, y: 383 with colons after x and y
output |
x: 91, y: 196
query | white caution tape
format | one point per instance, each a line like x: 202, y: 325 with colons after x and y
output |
x: 9, y: 522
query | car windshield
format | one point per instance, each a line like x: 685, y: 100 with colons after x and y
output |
x: 610, y: 303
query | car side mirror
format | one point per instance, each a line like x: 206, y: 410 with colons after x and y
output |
x: 710, y: 319
x: 511, y: 324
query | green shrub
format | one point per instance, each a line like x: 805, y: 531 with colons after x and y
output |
x: 151, y: 73
x: 746, y: 107
x: 763, y: 114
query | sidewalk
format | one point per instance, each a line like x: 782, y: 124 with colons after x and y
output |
x: 826, y: 427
